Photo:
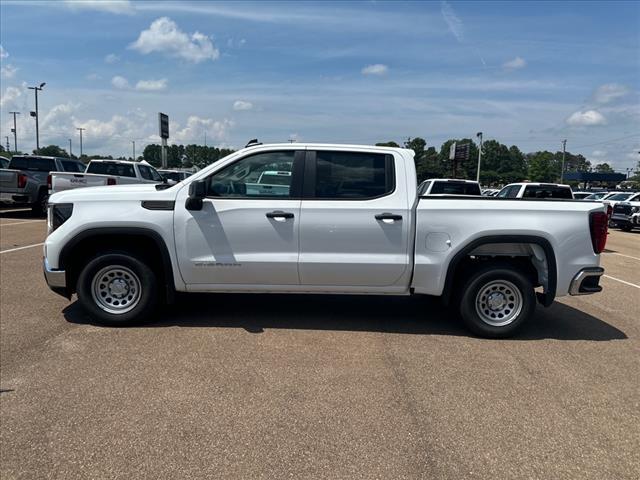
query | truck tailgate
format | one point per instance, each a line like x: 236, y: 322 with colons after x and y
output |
x: 8, y: 180
x: 61, y: 181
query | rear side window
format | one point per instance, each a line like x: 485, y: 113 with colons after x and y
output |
x: 36, y: 164
x: 542, y: 191
x: 71, y: 166
x: 353, y: 175
x: 454, y: 188
x: 115, y: 169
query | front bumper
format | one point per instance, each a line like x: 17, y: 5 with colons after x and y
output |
x: 586, y: 281
x: 56, y: 279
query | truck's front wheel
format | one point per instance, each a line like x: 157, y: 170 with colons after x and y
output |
x: 117, y: 289
x: 496, y: 301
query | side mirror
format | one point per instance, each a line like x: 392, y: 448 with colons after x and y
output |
x: 197, y: 191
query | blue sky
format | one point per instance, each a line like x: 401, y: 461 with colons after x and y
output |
x: 524, y: 73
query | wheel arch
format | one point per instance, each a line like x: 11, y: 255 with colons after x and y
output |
x: 141, y: 241
x: 459, y: 258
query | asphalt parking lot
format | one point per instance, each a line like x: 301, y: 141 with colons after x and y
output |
x: 226, y: 386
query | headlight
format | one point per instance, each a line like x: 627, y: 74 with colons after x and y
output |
x: 57, y: 214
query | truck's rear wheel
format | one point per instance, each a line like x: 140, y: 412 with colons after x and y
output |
x: 496, y: 301
x: 39, y: 208
x: 117, y: 289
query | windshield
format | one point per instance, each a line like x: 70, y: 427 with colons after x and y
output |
x: 620, y: 196
x: 455, y: 188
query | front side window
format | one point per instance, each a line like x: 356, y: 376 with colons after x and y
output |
x: 353, y: 175
x: 145, y: 172
x: 268, y: 174
x: 509, y: 191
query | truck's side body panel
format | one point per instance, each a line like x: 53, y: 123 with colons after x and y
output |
x: 445, y: 226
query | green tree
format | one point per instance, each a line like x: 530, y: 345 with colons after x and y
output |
x: 52, y: 151
x: 543, y: 167
x: 603, y: 168
x: 388, y: 144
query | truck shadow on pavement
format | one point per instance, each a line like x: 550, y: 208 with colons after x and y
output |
x: 406, y: 315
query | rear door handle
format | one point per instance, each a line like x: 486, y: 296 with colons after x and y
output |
x: 388, y: 216
x: 279, y: 214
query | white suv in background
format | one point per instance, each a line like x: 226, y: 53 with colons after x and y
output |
x: 536, y: 190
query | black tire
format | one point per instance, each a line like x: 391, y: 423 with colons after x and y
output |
x: 136, y: 278
x: 39, y: 209
x: 511, y: 286
x: 626, y: 228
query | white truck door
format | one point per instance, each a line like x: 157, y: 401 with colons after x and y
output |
x: 355, y: 221
x: 242, y: 235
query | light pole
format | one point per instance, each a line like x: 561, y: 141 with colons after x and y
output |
x: 7, y: 138
x: 35, y: 114
x: 134, y: 149
x: 70, y: 152
x: 564, y: 148
x: 15, y: 132
x: 80, y: 129
x: 479, y: 135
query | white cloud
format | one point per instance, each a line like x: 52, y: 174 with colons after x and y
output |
x: 586, y: 118
x: 456, y: 27
x: 197, y: 126
x: 376, y: 69
x: 599, y: 153
x: 164, y: 36
x: 3, y: 52
x: 242, y: 105
x: 514, y: 64
x: 93, y: 76
x: 609, y: 92
x: 120, y: 82
x: 10, y: 96
x: 110, y: 6
x: 152, y: 85
x: 8, y: 71
x: 111, y: 58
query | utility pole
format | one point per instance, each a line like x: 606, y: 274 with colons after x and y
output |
x: 134, y: 149
x: 564, y: 148
x: 70, y: 152
x: 35, y: 114
x: 80, y: 129
x: 205, y: 139
x: 8, y: 147
x: 15, y: 132
x: 479, y: 135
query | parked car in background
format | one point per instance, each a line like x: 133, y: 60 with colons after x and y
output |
x: 174, y: 175
x: 4, y: 162
x: 106, y: 172
x: 27, y: 179
x: 536, y: 190
x: 347, y: 221
x: 490, y: 192
x: 448, y: 186
x: 623, y: 213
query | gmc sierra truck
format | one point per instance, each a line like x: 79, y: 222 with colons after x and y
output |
x: 347, y: 221
x: 27, y: 179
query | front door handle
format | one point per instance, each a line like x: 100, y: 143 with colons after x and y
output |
x: 388, y: 216
x: 279, y: 214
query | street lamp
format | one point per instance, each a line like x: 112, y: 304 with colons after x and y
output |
x: 479, y: 135
x: 80, y: 129
x: 35, y: 114
x: 14, y: 131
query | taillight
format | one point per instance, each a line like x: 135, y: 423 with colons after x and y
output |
x: 111, y: 181
x: 49, y: 181
x: 609, y: 210
x: 598, y: 222
x: 22, y: 180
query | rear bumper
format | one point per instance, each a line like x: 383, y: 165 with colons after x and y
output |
x: 586, y: 281
x: 56, y: 279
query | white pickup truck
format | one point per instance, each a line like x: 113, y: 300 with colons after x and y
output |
x: 105, y: 172
x: 348, y: 222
